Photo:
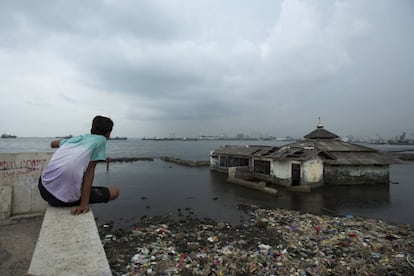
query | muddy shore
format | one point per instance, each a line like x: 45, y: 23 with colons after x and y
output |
x: 271, y: 242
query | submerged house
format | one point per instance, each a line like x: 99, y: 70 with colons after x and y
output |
x: 321, y: 158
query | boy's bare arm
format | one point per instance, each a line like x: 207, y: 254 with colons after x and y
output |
x: 86, y: 190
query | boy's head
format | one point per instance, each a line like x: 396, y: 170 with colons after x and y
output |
x: 102, y: 126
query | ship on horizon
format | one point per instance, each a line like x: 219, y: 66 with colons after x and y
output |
x: 118, y: 138
x: 5, y: 135
x: 402, y: 140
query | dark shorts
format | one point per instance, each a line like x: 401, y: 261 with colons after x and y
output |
x: 98, y: 195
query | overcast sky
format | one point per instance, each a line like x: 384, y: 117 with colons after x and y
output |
x: 207, y: 67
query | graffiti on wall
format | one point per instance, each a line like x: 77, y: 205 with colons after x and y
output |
x: 26, y: 170
x: 18, y: 167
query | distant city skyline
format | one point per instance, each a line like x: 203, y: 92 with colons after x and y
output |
x: 247, y: 136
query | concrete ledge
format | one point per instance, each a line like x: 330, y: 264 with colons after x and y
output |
x: 259, y: 186
x: 68, y: 245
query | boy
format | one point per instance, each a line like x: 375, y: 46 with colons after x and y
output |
x: 67, y: 179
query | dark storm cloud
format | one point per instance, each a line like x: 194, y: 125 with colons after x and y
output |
x: 88, y: 16
x: 159, y: 79
x: 25, y: 22
x: 260, y: 65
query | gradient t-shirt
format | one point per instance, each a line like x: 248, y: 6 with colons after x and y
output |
x: 63, y: 175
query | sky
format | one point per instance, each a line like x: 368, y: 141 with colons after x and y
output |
x: 173, y: 68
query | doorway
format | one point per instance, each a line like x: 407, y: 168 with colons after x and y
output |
x: 295, y: 174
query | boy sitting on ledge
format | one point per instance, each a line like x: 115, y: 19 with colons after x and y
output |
x: 67, y: 179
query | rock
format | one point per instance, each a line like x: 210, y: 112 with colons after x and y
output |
x: 193, y: 245
x: 221, y: 225
x: 262, y: 223
x: 180, y: 236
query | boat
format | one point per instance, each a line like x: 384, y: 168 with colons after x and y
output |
x: 161, y: 139
x: 402, y: 140
x: 4, y: 135
x: 118, y: 138
x: 170, y: 139
x: 65, y: 137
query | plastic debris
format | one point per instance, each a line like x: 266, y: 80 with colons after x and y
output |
x: 272, y: 242
x: 212, y: 239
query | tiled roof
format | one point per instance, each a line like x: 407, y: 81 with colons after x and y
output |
x: 319, y: 142
x: 330, y: 145
x: 321, y: 133
x: 358, y: 158
x: 246, y: 150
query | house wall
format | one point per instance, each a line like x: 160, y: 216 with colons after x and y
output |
x: 349, y: 175
x: 281, y: 172
x: 281, y: 169
x: 215, y: 164
x: 214, y: 161
x: 239, y: 172
x: 312, y: 173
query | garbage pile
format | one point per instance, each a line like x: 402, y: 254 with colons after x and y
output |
x: 272, y: 242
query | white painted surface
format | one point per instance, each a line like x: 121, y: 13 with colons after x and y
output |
x: 281, y: 169
x: 68, y: 245
x: 5, y: 202
x: 313, y: 171
x: 21, y: 171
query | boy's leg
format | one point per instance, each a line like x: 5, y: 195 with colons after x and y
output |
x: 103, y: 194
x: 98, y: 195
x: 113, y: 192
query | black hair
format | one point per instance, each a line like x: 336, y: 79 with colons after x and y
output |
x: 101, y: 125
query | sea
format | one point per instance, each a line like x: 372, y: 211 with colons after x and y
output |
x: 159, y: 188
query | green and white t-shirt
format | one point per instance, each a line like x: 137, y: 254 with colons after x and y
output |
x: 63, y: 175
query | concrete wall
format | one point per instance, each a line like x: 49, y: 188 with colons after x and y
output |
x: 214, y: 161
x: 312, y: 173
x: 239, y: 172
x: 281, y: 169
x: 349, y: 175
x: 19, y: 175
x: 281, y: 172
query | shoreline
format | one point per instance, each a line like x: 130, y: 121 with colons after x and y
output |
x: 272, y: 242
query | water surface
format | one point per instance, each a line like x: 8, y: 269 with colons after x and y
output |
x: 160, y: 188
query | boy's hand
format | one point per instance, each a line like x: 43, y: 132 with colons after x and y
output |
x: 79, y: 210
